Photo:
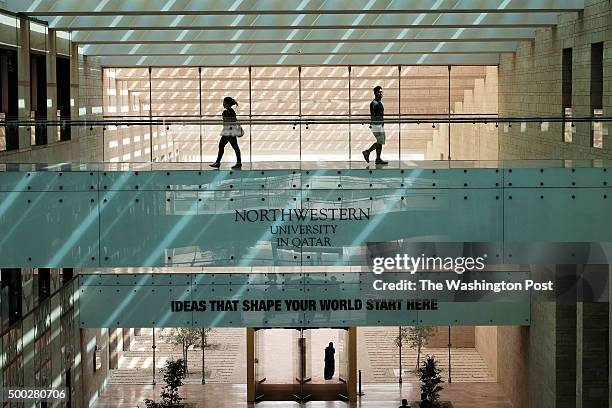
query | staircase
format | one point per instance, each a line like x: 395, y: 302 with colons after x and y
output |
x: 224, y: 359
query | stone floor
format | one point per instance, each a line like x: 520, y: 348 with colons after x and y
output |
x: 462, y: 395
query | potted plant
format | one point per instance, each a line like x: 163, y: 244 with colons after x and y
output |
x: 174, y: 373
x: 429, y: 374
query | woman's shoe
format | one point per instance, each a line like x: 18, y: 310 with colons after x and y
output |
x: 366, y: 155
x: 216, y: 165
x: 237, y: 166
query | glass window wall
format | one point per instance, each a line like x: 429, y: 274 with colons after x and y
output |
x: 286, y: 95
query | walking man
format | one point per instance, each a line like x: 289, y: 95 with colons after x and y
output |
x: 377, y: 112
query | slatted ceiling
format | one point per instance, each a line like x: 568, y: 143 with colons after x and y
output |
x: 250, y: 22
x: 328, y: 32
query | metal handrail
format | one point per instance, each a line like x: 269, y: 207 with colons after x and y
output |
x: 355, y: 120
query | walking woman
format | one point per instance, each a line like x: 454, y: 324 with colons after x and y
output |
x: 231, y: 131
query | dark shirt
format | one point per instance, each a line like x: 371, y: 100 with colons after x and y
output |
x: 329, y: 353
x: 377, y: 112
x: 229, y: 116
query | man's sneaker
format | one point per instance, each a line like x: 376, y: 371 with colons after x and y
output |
x: 216, y: 165
x: 381, y: 161
x: 237, y: 166
x: 366, y: 155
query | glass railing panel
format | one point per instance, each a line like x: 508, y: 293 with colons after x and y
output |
x: 325, y: 142
x: 162, y: 214
x: 276, y: 142
x: 123, y: 143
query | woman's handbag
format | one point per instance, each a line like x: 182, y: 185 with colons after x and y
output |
x: 232, y: 130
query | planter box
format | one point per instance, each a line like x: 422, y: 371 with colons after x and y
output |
x: 439, y: 404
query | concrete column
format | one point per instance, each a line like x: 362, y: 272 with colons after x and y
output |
x: 74, y: 91
x: 565, y: 336
x: 127, y: 338
x: 594, y: 349
x: 23, y: 82
x: 113, y: 346
x: 250, y: 363
x: 52, y: 131
x: 57, y: 358
x: 29, y: 364
x: 352, y: 364
x: 565, y: 356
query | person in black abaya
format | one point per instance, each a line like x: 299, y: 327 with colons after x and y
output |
x: 330, y: 362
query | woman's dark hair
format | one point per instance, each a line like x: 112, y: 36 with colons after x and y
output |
x: 230, y: 101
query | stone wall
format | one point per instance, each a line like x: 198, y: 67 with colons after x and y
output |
x: 85, y: 145
x: 530, y: 85
x: 505, y: 350
x: 542, y: 361
x: 90, y: 107
x: 485, y: 338
x: 94, y: 381
x: 512, y: 363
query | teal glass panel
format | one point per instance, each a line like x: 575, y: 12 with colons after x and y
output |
x: 189, y: 228
x: 121, y: 300
x: 560, y: 253
x: 80, y: 181
x: 188, y: 217
x: 200, y: 180
x: 365, y: 179
x: 557, y: 177
x: 405, y: 215
x: 557, y: 215
x: 49, y: 229
x: 294, y: 300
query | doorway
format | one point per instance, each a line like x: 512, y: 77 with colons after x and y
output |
x: 289, y: 364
